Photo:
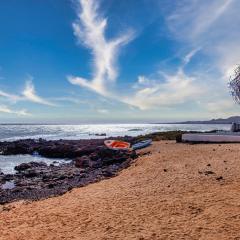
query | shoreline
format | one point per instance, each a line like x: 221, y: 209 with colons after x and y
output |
x: 90, y: 161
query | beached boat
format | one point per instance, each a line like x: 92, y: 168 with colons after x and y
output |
x: 121, y: 145
x: 117, y: 145
x: 142, y: 144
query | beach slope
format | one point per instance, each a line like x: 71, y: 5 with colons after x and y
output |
x: 179, y: 191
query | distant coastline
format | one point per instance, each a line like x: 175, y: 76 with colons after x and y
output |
x: 229, y: 120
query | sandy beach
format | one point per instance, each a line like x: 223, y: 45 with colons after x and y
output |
x: 179, y: 191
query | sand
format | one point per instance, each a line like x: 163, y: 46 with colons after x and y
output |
x: 180, y: 191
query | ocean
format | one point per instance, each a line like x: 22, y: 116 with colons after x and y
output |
x: 52, y: 132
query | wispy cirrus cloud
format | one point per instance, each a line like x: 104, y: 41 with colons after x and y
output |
x: 193, y: 19
x: 89, y: 29
x: 190, y: 55
x: 28, y: 94
x: 6, y: 109
x: 213, y: 25
x: 164, y: 91
x: 11, y: 97
x: 197, y: 25
x: 70, y: 99
x: 167, y: 90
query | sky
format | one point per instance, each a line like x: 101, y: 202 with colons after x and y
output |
x: 92, y: 61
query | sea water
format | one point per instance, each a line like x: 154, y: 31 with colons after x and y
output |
x: 54, y: 132
x: 7, y: 163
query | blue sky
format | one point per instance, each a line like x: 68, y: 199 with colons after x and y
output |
x: 117, y: 61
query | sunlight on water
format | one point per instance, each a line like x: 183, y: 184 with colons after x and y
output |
x: 53, y: 132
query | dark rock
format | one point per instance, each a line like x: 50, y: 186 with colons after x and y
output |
x: 92, y: 162
x: 94, y: 156
x: 219, y: 178
x: 7, y: 177
x: 51, y: 185
x: 108, y: 173
x: 145, y: 153
x: 179, y: 138
x: 18, y: 148
x: 31, y: 173
x: 83, y: 162
x: 209, y: 172
x: 126, y: 163
x: 101, y: 134
x: 24, y: 166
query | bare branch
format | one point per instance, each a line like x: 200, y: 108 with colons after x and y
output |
x: 234, y: 84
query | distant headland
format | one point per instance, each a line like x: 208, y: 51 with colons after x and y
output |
x: 214, y: 121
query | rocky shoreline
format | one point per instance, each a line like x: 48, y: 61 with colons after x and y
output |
x: 90, y: 161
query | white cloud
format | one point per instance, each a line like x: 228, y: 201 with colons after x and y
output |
x: 90, y: 31
x: 102, y: 111
x: 190, y: 55
x: 175, y: 89
x: 228, y: 57
x: 194, y: 23
x: 210, y: 13
x: 212, y: 24
x: 167, y: 90
x: 142, y: 80
x: 191, y: 19
x: 220, y: 106
x: 6, y: 109
x: 30, y: 94
x: 10, y: 97
x: 69, y: 99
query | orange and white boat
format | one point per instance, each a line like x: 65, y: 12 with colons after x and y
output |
x: 117, y: 145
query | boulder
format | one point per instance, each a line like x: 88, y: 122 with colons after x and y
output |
x: 31, y: 173
x: 94, y: 156
x: 25, y: 166
x: 83, y: 162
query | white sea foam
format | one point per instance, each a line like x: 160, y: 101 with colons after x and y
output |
x: 7, y: 163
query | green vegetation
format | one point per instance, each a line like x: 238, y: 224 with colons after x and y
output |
x: 170, y: 135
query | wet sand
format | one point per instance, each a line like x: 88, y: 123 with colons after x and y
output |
x: 180, y: 191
